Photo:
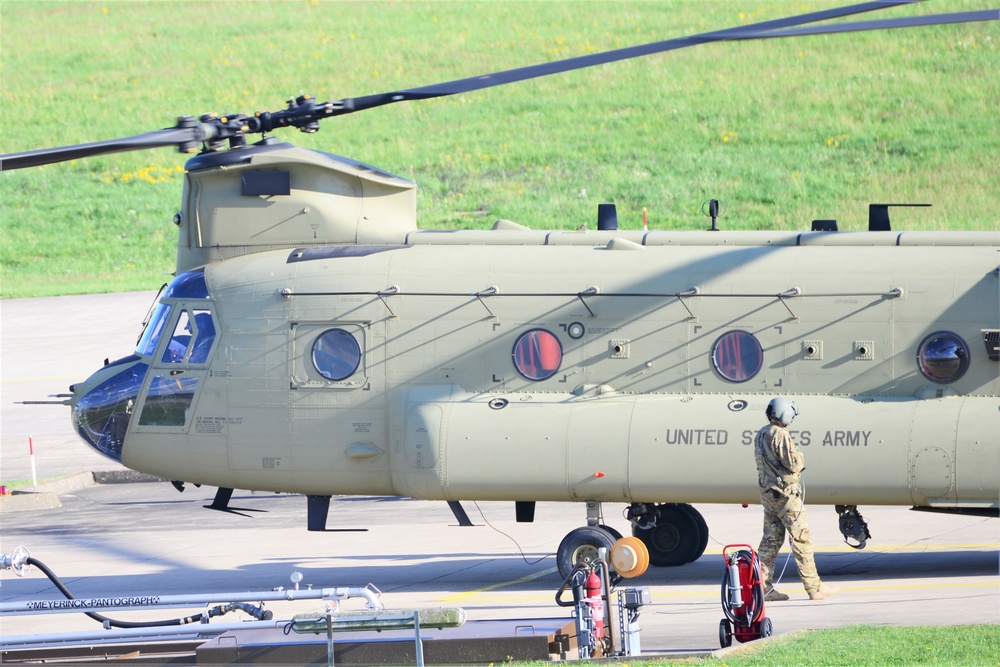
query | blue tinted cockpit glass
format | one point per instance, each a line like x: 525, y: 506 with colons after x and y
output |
x: 168, y: 400
x: 180, y: 340
x: 154, y: 329
x: 102, y: 415
x: 205, y: 334
x: 189, y: 285
x: 192, y: 338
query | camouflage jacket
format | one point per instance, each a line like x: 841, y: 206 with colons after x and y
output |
x: 779, y: 463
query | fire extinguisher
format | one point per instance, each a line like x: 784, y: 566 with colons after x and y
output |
x: 742, y: 597
x: 595, y: 601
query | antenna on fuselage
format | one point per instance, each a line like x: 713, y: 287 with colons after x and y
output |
x: 713, y: 213
x: 878, y: 216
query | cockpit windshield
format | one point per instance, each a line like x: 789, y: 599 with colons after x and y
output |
x: 194, y: 330
x: 151, y: 335
x: 161, y: 381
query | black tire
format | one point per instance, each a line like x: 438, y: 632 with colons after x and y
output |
x: 702, y: 529
x: 580, y: 547
x: 674, y: 539
x: 725, y: 633
x: 766, y: 630
x: 615, y: 535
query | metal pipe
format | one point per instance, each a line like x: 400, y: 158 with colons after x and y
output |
x: 132, y: 602
x: 193, y: 631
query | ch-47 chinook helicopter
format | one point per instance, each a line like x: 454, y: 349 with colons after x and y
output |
x: 315, y: 341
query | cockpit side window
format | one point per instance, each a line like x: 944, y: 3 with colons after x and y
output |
x: 179, y: 340
x: 168, y: 400
x: 193, y: 331
x: 204, y: 336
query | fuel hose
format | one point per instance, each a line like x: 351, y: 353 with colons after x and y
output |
x: 258, y: 613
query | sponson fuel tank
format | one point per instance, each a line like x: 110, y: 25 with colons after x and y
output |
x: 622, y: 448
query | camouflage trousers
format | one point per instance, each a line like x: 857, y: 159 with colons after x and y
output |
x: 786, y: 513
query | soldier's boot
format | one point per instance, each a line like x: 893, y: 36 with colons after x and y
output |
x: 823, y: 593
x: 773, y: 595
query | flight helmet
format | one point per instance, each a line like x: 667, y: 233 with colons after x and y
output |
x: 782, y: 409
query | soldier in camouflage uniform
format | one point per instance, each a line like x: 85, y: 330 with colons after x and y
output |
x: 779, y: 467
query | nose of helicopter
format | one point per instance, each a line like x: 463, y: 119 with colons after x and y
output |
x: 103, y: 405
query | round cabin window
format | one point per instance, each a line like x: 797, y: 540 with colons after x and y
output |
x: 336, y: 354
x: 738, y: 356
x: 943, y: 357
x: 537, y: 354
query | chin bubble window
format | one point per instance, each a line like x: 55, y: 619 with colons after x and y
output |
x: 943, y: 357
x: 537, y: 354
x: 336, y: 354
x: 737, y: 355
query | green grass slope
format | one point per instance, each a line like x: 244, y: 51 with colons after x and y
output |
x: 853, y: 646
x: 782, y: 131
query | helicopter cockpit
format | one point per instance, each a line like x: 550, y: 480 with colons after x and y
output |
x: 161, y: 378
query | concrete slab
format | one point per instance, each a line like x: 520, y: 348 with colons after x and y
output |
x: 24, y: 501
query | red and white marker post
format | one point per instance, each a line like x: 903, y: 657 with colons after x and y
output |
x: 31, y: 454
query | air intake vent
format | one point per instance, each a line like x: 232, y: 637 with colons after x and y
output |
x: 991, y: 337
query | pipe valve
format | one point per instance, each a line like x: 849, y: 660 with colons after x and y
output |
x: 16, y: 560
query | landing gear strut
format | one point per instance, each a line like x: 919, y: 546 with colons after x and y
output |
x: 674, y: 533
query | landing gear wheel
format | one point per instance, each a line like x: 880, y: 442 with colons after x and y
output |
x: 580, y: 547
x: 615, y: 535
x: 702, y: 529
x: 765, y: 628
x: 725, y: 633
x: 675, y: 538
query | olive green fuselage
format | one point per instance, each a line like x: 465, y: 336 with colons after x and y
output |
x: 656, y: 354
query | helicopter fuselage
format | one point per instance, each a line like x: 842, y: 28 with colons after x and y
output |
x: 526, y: 365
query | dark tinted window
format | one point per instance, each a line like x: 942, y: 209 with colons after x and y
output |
x: 537, y: 354
x: 943, y: 357
x: 738, y: 356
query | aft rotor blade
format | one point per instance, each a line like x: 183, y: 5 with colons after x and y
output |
x: 880, y: 24
x: 173, y: 136
x: 751, y: 31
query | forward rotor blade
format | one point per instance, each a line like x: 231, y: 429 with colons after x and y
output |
x: 304, y: 112
x: 169, y: 137
x: 751, y: 31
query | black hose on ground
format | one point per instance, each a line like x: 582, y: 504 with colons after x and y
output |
x: 256, y: 612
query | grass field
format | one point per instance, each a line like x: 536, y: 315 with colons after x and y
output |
x: 782, y: 131
x: 854, y: 646
x: 877, y: 646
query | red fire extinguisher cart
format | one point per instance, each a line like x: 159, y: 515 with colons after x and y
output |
x: 742, y: 597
